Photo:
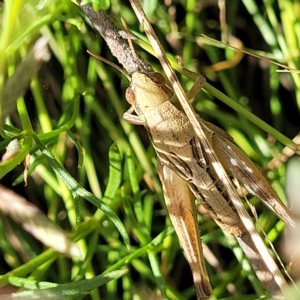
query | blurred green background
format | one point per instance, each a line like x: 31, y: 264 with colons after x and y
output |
x: 84, y: 159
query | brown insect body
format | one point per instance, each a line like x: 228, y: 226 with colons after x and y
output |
x: 180, y: 149
x: 183, y: 164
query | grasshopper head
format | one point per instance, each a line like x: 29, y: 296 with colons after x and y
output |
x: 147, y: 91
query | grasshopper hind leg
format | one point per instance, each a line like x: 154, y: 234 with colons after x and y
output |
x: 183, y: 214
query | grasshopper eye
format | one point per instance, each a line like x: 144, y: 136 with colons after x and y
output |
x: 157, y: 78
x: 130, y: 96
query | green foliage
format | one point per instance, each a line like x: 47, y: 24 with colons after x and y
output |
x: 95, y: 177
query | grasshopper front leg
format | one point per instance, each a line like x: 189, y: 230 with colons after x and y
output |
x: 133, y: 119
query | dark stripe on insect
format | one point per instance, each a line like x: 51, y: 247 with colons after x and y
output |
x: 176, y: 164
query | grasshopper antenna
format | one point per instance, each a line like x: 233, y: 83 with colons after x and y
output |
x: 110, y: 63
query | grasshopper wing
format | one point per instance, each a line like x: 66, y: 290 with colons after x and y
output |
x: 182, y: 211
x: 238, y: 165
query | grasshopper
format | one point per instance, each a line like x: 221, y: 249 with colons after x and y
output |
x: 184, y: 166
x: 196, y: 156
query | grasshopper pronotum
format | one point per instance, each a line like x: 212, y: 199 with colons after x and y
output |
x: 192, y: 156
